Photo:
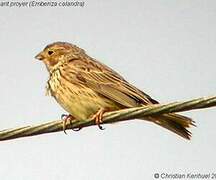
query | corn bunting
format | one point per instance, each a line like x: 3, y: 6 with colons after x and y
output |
x: 86, y: 88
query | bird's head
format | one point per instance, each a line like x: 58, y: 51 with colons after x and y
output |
x: 58, y: 52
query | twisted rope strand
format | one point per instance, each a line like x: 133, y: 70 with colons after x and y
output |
x: 110, y: 117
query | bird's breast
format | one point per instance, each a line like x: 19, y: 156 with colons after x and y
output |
x: 77, y: 99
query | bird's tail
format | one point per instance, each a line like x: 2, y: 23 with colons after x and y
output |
x: 175, y: 123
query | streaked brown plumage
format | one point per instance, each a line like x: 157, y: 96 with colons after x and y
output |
x: 83, y: 86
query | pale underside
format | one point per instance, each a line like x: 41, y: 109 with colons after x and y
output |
x: 81, y: 102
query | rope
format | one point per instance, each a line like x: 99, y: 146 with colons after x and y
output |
x: 109, y: 117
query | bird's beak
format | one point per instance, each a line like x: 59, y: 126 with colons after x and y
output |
x: 39, y: 56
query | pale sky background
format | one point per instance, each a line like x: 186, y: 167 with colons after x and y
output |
x: 166, y: 48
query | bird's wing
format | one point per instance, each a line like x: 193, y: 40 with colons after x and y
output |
x: 108, y: 83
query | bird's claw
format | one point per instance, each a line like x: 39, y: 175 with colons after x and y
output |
x: 98, y: 118
x: 69, y: 118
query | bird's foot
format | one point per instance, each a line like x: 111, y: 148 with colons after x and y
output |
x: 98, y: 118
x: 65, y: 118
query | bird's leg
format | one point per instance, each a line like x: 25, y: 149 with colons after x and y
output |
x: 65, y: 118
x: 98, y: 117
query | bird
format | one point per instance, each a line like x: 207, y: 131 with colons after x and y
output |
x: 87, y: 88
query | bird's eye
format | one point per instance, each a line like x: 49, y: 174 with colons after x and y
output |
x: 50, y: 52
